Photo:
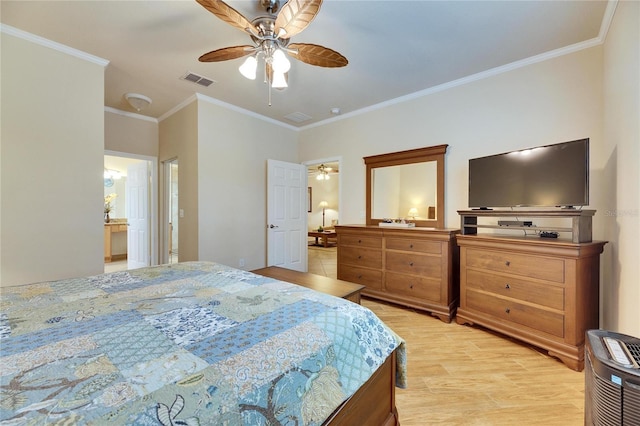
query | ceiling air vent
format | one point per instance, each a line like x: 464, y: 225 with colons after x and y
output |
x: 197, y: 79
x: 298, y: 117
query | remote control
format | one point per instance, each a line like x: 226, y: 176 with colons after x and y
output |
x: 548, y: 234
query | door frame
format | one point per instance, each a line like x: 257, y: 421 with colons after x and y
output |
x: 329, y: 160
x: 164, y: 208
x: 153, y: 202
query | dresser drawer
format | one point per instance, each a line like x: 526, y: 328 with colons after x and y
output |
x: 358, y: 256
x: 544, y: 268
x: 369, y: 277
x: 417, y: 264
x: 360, y: 241
x: 510, y: 310
x: 413, y: 286
x: 551, y: 296
x: 407, y: 244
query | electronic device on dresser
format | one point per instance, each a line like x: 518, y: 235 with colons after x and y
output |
x: 544, y: 176
x: 612, y: 379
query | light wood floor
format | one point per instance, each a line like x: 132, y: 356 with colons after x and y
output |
x: 460, y: 375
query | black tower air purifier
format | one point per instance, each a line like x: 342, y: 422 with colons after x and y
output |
x: 612, y: 379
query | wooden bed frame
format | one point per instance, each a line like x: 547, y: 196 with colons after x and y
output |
x: 374, y: 403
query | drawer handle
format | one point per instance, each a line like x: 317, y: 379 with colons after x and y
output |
x: 359, y: 277
x: 411, y: 286
x: 410, y: 245
x: 359, y: 256
x: 507, y: 310
x: 507, y: 263
x: 359, y: 241
x: 507, y: 286
x: 410, y: 263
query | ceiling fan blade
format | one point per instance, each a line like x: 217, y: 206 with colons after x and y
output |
x: 227, y: 53
x: 314, y: 54
x: 227, y: 14
x: 295, y: 16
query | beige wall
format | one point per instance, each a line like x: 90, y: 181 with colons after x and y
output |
x: 621, y: 154
x: 52, y: 217
x: 233, y: 150
x: 131, y: 134
x: 179, y: 140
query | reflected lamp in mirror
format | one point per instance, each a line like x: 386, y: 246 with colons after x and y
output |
x: 413, y: 212
x: 400, y: 181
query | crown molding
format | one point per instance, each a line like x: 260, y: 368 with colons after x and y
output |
x: 600, y: 39
x: 178, y: 107
x: 226, y: 105
x: 130, y: 114
x: 7, y: 29
x: 464, y: 80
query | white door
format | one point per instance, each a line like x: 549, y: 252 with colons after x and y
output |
x: 137, y: 210
x: 287, y: 215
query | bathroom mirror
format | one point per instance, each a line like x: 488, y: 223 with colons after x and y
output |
x: 406, y: 185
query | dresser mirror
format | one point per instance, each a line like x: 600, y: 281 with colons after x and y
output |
x: 406, y: 186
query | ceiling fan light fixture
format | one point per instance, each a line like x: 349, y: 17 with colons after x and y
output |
x: 279, y: 81
x: 249, y: 68
x: 271, y: 36
x: 138, y: 101
x: 280, y: 63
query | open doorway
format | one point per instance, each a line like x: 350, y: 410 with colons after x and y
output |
x: 171, y: 212
x: 118, y: 199
x: 323, y: 180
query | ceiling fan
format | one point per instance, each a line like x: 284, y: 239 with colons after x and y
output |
x: 323, y: 172
x: 271, y: 35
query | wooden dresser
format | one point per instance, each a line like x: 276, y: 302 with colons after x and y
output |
x: 544, y: 292
x: 415, y: 267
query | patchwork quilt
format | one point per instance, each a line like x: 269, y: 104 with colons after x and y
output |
x: 195, y: 343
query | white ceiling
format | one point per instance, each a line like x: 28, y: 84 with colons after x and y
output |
x: 394, y: 48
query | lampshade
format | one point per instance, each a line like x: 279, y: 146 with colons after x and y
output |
x: 323, y: 204
x: 413, y: 212
x: 280, y: 63
x: 249, y: 67
x: 279, y: 81
x: 137, y: 101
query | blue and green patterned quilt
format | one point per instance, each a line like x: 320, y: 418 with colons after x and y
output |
x: 193, y: 343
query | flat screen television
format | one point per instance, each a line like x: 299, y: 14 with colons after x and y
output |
x: 546, y: 176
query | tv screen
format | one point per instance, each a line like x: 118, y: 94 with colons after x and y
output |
x: 546, y: 176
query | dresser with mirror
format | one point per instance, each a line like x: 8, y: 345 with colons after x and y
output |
x: 403, y: 253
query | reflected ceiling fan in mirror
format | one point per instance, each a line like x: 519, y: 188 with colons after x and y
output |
x: 271, y: 35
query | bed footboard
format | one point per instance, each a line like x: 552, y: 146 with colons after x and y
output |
x: 374, y: 403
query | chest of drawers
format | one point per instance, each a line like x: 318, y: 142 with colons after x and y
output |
x: 545, y: 293
x: 415, y: 267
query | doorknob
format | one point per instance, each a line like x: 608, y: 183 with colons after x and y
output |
x: 273, y: 226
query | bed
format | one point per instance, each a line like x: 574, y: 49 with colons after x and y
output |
x: 193, y: 343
